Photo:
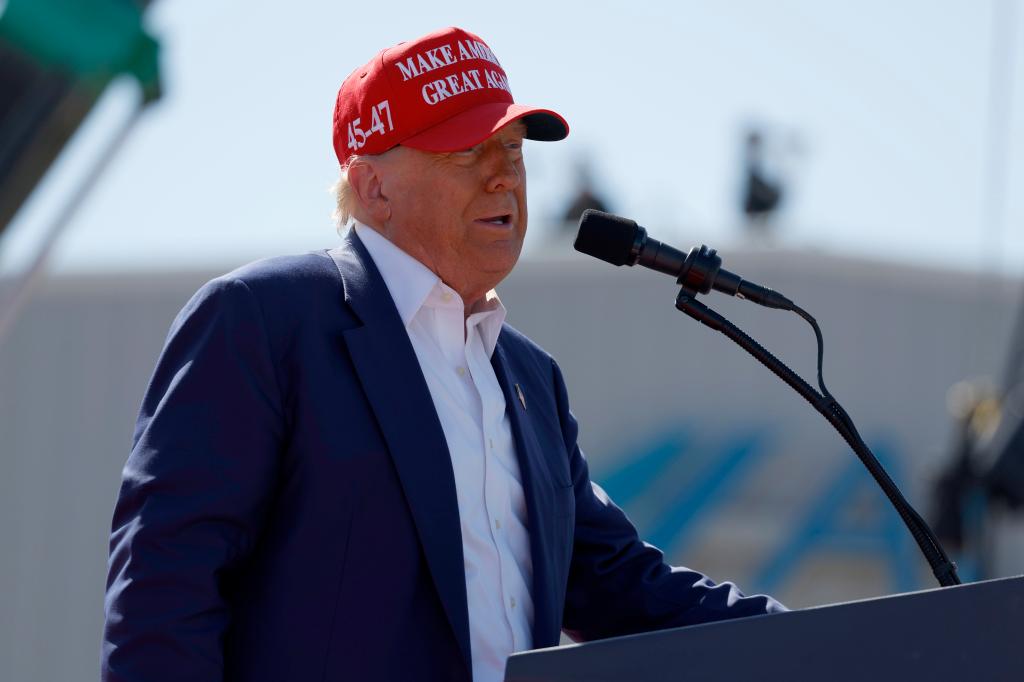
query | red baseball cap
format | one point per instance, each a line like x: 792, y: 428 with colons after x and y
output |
x: 443, y: 92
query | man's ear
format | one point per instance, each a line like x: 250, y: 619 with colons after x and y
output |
x: 366, y: 180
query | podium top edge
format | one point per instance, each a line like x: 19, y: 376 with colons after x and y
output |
x: 980, y: 584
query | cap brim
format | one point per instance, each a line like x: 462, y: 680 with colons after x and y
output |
x: 472, y: 127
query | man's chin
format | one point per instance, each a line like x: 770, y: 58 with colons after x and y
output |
x: 494, y: 270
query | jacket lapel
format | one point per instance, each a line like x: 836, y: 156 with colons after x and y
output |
x: 538, y: 489
x: 390, y: 374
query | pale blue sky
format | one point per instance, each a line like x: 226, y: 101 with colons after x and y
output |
x: 889, y: 102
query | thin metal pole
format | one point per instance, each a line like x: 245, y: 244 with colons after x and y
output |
x: 1000, y: 97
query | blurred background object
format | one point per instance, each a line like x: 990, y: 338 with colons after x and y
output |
x: 984, y: 479
x: 769, y: 161
x: 584, y: 195
x: 762, y: 192
x: 899, y: 230
x: 56, y: 59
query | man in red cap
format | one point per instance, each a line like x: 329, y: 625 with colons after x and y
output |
x: 346, y: 465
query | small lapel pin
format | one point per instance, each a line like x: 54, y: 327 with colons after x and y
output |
x: 522, y: 398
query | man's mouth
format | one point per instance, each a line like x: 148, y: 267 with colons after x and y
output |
x: 500, y: 219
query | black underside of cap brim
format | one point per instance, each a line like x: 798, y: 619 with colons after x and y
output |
x: 544, y: 127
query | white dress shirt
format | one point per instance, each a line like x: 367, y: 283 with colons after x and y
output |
x: 454, y: 353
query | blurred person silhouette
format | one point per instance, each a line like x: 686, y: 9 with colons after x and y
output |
x: 584, y: 195
x: 762, y: 193
x: 985, y: 474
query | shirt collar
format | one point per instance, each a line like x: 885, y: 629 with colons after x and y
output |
x: 411, y: 283
x: 408, y: 280
x: 488, y: 315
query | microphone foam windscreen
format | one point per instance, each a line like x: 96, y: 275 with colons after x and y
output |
x: 606, y: 236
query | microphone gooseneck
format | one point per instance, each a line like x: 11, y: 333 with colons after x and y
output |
x: 621, y: 241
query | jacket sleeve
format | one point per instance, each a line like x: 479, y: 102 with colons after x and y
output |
x: 619, y: 585
x: 195, y: 491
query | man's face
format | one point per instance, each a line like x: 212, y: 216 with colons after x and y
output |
x: 462, y: 214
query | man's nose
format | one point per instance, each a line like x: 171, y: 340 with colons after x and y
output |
x: 502, y: 173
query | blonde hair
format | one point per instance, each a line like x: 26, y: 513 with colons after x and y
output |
x: 344, y: 197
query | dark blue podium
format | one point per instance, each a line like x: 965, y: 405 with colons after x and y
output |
x: 967, y: 632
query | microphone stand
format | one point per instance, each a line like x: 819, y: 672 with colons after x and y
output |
x: 943, y: 569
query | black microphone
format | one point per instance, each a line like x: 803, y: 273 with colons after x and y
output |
x: 620, y: 241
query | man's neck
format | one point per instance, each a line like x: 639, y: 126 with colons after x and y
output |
x: 470, y: 297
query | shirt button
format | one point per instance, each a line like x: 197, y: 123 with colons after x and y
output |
x: 461, y: 371
x: 490, y: 441
x: 446, y: 297
x: 513, y: 600
x: 497, y: 524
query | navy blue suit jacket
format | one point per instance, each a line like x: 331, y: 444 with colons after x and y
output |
x: 288, y: 510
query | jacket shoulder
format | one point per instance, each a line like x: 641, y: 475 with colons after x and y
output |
x: 283, y: 271
x: 288, y: 293
x: 284, y: 283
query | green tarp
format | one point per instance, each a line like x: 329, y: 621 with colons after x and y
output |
x: 93, y: 40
